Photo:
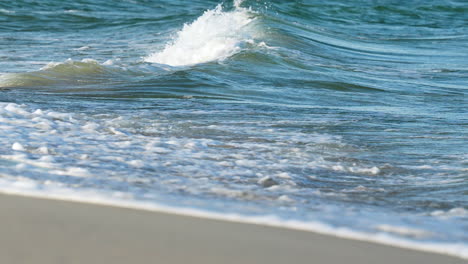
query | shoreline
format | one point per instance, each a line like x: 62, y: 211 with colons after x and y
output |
x: 38, y: 230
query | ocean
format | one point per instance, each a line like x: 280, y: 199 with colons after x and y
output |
x: 346, y: 118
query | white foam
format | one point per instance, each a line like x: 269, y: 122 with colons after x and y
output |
x: 6, y: 11
x: 64, y: 153
x: 237, y: 3
x: 404, y: 231
x: 83, y: 48
x: 83, y: 64
x: 73, y: 171
x: 16, y: 109
x: 17, y: 146
x: 214, y: 36
x: 454, y: 212
x: 355, y: 169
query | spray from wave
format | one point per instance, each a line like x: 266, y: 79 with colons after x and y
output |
x: 214, y: 36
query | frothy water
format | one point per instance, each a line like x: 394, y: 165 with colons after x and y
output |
x: 214, y: 36
x: 339, y: 118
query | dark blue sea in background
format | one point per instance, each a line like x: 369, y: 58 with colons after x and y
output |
x: 352, y: 114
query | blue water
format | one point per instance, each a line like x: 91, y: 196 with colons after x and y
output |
x: 348, y: 113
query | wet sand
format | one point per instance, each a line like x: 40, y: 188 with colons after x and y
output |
x: 42, y: 231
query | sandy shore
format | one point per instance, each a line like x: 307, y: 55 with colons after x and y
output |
x: 40, y: 231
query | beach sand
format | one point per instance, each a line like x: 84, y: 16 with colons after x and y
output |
x: 42, y: 231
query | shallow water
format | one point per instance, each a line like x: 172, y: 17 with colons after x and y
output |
x: 345, y: 113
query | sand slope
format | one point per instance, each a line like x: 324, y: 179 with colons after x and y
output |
x: 44, y: 231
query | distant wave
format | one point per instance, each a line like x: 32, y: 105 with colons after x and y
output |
x: 78, y: 72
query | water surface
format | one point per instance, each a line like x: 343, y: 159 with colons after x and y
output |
x: 346, y: 113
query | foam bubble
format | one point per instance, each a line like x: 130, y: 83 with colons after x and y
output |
x: 17, y: 146
x: 215, y: 35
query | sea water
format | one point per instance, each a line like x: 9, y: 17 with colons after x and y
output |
x: 341, y: 117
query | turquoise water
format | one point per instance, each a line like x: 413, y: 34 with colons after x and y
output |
x: 347, y: 113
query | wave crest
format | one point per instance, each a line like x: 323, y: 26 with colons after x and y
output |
x: 215, y: 35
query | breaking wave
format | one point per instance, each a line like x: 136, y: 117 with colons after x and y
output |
x: 214, y: 36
